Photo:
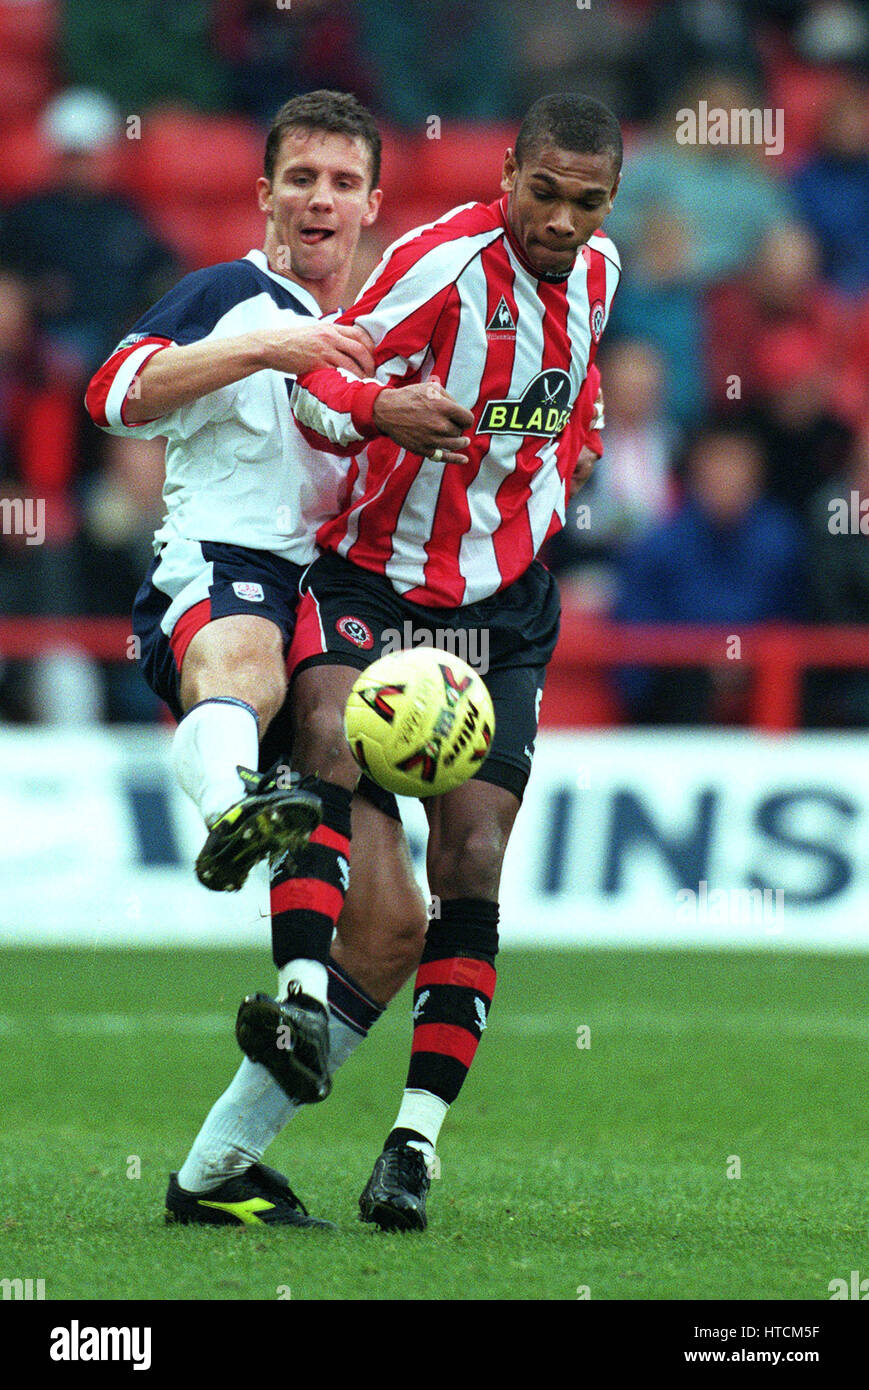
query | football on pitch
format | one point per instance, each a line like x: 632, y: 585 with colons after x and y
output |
x: 419, y: 722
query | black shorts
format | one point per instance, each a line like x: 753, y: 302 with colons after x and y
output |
x: 349, y: 616
x: 192, y: 583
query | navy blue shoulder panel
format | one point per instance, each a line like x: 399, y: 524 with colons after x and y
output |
x: 191, y: 308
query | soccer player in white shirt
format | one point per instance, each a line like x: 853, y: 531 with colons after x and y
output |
x: 211, y: 367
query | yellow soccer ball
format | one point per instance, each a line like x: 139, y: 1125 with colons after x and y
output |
x: 419, y: 722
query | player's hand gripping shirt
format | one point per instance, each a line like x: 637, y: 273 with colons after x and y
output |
x: 457, y: 300
x: 237, y: 468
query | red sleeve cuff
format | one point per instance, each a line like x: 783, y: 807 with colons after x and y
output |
x: 362, y: 408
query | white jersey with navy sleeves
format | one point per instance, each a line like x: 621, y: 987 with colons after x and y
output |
x: 238, y: 469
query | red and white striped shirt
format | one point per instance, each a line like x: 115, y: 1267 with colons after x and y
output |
x: 457, y: 300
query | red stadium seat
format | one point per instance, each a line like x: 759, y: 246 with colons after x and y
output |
x: 201, y: 236
x: 231, y: 232
x: 29, y: 29
x: 401, y: 215
x: 27, y: 161
x: 464, y: 165
x: 802, y: 91
x: 804, y: 94
x: 399, y: 173
x: 24, y: 88
x: 204, y: 158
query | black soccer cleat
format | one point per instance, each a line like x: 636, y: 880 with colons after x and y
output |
x: 395, y: 1196
x: 258, y: 1197
x: 270, y: 820
x: 290, y: 1038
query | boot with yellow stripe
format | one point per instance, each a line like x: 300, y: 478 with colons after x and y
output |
x: 259, y: 1196
x: 277, y: 816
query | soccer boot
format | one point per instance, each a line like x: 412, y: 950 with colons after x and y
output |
x: 259, y: 1196
x: 395, y: 1196
x: 270, y: 820
x: 290, y: 1038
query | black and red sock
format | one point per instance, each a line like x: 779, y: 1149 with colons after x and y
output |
x: 306, y: 903
x: 453, y: 992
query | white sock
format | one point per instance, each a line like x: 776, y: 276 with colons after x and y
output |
x: 237, y: 1130
x: 342, y: 1041
x: 425, y: 1113
x: 210, y: 742
x: 310, y: 975
x: 251, y: 1113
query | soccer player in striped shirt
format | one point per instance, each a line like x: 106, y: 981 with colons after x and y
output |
x: 210, y: 368
x: 500, y: 309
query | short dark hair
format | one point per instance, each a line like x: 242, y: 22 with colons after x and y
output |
x: 570, y: 122
x: 336, y: 113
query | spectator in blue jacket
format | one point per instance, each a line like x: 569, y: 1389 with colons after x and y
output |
x: 729, y: 555
x: 832, y: 190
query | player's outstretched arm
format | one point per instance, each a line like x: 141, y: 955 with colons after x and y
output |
x: 174, y: 376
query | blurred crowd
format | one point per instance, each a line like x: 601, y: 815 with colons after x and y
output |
x: 735, y: 365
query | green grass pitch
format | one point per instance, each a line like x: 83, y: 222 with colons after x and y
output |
x: 562, y: 1167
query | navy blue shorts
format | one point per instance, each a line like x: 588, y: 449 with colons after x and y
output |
x: 191, y: 583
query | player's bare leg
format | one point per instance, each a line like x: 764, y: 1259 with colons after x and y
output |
x: 381, y: 933
x: 468, y: 833
x: 242, y: 656
x: 233, y: 683
x: 319, y: 747
x: 469, y: 829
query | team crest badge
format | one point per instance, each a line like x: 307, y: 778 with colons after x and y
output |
x: 253, y: 593
x: 356, y: 631
x: 596, y: 319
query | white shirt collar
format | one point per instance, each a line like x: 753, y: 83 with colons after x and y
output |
x: 260, y: 260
